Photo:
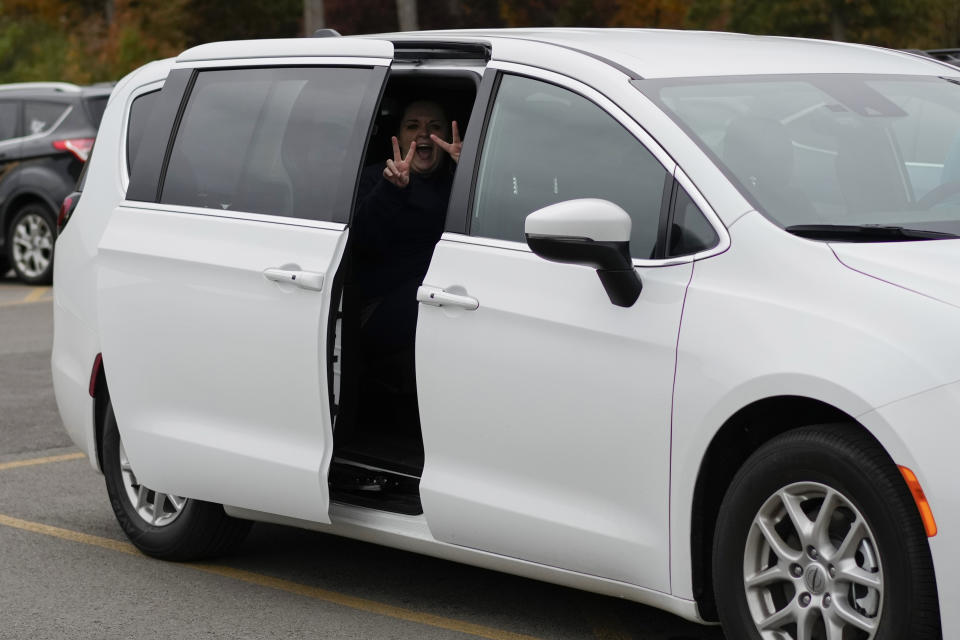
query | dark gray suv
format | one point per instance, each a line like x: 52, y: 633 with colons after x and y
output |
x: 46, y: 132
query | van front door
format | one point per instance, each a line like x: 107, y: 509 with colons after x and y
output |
x: 545, y: 407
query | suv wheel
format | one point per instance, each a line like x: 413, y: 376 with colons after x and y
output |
x: 819, y: 539
x: 160, y: 524
x: 30, y: 244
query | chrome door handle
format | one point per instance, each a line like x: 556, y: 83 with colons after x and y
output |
x: 312, y: 280
x: 437, y: 297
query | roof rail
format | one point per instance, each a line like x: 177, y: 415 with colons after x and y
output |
x: 944, y: 55
x: 439, y: 49
x: 326, y: 33
x: 56, y: 86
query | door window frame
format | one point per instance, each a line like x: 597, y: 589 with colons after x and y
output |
x: 463, y: 195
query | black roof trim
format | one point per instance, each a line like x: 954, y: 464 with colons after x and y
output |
x: 440, y: 49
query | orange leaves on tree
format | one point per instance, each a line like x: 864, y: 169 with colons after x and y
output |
x: 665, y: 14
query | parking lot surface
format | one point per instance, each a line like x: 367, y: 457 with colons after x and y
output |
x: 66, y: 569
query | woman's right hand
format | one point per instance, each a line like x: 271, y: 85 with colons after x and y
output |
x: 397, y: 171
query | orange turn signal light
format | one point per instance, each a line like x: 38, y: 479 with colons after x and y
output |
x: 926, y: 513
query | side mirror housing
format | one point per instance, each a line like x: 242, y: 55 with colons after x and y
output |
x: 589, y: 232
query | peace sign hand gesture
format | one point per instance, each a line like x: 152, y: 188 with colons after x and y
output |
x: 453, y: 148
x: 397, y: 171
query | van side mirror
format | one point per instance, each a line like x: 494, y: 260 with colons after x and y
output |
x: 589, y: 232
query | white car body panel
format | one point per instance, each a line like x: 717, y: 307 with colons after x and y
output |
x: 411, y: 533
x: 739, y: 345
x: 238, y: 50
x: 932, y: 417
x: 663, y: 53
x: 76, y: 338
x: 929, y: 268
x: 239, y: 354
x: 500, y: 476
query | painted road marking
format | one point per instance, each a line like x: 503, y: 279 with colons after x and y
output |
x: 32, y: 461
x: 601, y: 628
x: 67, y: 534
x: 36, y: 294
x: 361, y: 604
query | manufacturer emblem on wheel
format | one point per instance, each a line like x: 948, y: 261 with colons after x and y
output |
x: 815, y: 579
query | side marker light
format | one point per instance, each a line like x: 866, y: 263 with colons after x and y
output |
x: 926, y: 513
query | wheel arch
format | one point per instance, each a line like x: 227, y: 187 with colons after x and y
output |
x: 742, y: 434
x: 17, y: 202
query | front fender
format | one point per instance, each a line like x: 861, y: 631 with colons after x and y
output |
x: 778, y: 315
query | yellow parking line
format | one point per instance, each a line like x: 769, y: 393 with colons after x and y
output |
x: 30, y: 299
x: 362, y: 604
x: 67, y: 534
x: 36, y: 294
x: 32, y: 461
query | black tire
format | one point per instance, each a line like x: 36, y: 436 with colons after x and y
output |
x: 201, y: 530
x: 837, y: 458
x: 33, y: 211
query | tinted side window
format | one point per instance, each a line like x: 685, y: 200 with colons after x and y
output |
x: 546, y: 144
x: 140, y: 112
x: 39, y: 117
x: 266, y: 140
x: 8, y: 120
x: 691, y: 232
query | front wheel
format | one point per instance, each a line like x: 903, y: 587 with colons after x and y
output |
x: 161, y: 524
x: 819, y: 539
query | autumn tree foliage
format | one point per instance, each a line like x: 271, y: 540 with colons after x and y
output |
x: 91, y: 40
x: 890, y: 23
x: 84, y: 41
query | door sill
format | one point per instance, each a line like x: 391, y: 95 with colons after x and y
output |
x: 363, y: 484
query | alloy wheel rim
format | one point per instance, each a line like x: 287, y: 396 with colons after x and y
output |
x: 811, y: 567
x: 154, y: 508
x: 32, y: 245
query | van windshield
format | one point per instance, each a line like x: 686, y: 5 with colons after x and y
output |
x: 830, y: 150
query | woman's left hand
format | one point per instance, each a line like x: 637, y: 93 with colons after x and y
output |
x: 453, y: 148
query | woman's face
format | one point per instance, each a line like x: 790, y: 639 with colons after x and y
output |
x: 421, y: 119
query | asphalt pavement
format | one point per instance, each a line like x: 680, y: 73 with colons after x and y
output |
x: 67, y: 571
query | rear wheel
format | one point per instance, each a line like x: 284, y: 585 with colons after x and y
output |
x: 160, y: 524
x: 30, y: 244
x: 819, y: 539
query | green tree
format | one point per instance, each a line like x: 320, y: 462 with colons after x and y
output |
x: 76, y: 42
x: 891, y: 23
x: 213, y: 20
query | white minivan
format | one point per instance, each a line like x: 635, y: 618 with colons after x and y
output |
x: 669, y: 316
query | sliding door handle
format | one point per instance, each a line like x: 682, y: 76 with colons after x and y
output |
x: 437, y: 297
x: 312, y: 280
